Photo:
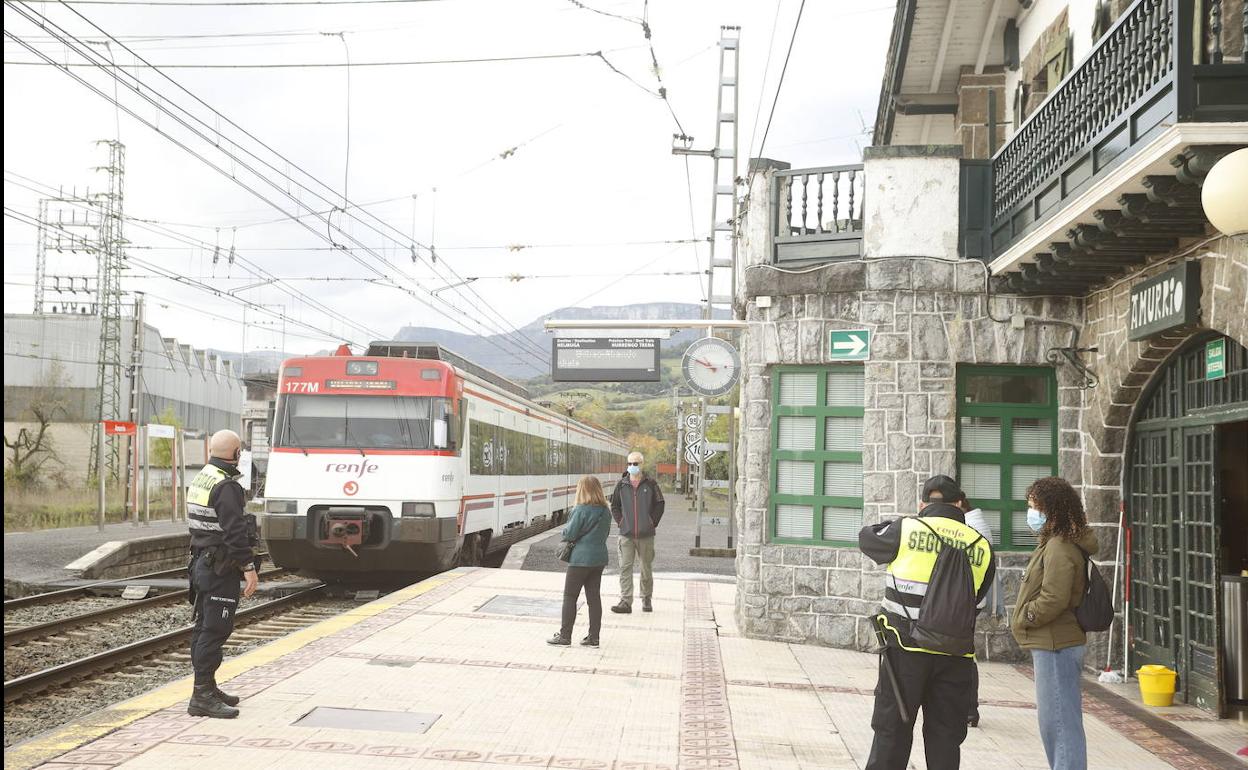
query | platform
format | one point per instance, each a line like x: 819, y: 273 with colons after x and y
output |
x: 39, y: 557
x: 464, y: 655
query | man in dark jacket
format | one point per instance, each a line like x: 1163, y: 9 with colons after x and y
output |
x: 637, y: 506
x: 222, y: 554
x: 913, y: 676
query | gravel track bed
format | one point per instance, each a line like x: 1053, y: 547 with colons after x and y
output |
x: 30, y: 616
x: 80, y: 642
x: 33, y: 716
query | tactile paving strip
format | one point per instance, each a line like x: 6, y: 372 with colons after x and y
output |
x: 706, y: 737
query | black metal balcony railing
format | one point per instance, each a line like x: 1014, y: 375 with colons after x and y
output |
x: 1143, y: 75
x: 817, y: 213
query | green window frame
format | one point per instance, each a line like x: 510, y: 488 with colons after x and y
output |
x: 834, y: 500
x: 1004, y: 444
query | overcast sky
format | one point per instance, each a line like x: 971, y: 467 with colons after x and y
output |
x: 592, y: 164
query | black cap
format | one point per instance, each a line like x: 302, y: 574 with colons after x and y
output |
x: 943, y: 489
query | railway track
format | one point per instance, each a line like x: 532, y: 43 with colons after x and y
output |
x: 54, y: 628
x: 255, y: 624
x: 88, y: 589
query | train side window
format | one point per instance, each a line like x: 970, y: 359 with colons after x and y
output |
x: 484, y: 457
x: 460, y: 423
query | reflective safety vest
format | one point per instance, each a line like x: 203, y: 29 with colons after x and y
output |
x: 201, y: 518
x: 907, y: 576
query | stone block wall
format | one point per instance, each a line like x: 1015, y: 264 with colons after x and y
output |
x: 971, y: 119
x: 1126, y: 368
x: 926, y: 316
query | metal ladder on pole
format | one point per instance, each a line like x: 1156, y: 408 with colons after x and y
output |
x: 723, y: 233
x: 724, y: 182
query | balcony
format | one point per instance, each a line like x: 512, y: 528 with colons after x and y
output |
x: 1106, y: 171
x: 817, y: 214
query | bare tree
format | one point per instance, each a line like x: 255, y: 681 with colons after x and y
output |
x: 33, y: 448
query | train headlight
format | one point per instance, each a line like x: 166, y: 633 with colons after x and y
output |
x: 418, y: 509
x: 281, y: 506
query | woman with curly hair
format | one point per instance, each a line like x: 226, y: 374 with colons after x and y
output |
x: 1044, y: 617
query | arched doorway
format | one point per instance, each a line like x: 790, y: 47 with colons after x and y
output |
x: 1187, y: 505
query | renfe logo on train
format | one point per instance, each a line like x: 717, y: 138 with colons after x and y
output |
x: 359, y: 469
x: 1165, y: 301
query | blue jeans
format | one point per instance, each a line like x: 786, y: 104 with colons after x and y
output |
x: 1059, y: 707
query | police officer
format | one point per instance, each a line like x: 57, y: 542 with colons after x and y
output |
x: 938, y: 682
x: 223, y: 537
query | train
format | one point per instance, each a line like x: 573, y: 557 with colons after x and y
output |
x: 410, y: 460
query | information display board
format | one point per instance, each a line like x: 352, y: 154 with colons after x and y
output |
x: 605, y: 359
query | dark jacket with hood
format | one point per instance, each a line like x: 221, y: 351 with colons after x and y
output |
x: 637, y: 511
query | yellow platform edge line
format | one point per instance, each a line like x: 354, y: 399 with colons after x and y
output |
x: 43, y: 748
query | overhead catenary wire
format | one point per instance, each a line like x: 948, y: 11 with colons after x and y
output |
x: 762, y: 147
x: 762, y: 85
x: 279, y: 207
x: 535, y: 350
x: 33, y: 221
x: 236, y: 3
x: 161, y: 105
x: 601, y: 55
x: 257, y: 270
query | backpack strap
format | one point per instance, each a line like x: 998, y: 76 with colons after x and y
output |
x: 1087, y: 563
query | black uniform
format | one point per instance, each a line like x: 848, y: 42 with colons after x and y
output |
x: 942, y: 685
x: 222, y: 536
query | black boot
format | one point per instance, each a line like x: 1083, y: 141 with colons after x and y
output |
x: 204, y: 703
x: 225, y: 697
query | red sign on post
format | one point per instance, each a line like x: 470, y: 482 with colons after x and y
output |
x: 115, y: 428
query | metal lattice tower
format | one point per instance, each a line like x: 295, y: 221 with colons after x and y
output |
x: 108, y: 276
x: 68, y: 224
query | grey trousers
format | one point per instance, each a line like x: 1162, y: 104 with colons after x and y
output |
x: 630, y: 551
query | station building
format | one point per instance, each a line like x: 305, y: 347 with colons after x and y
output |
x: 1024, y: 266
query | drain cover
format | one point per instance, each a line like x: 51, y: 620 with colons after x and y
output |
x: 366, y: 719
x: 523, y: 605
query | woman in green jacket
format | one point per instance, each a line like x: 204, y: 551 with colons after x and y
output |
x: 1044, y: 617
x: 589, y: 526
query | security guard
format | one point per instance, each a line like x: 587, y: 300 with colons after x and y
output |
x: 222, y: 540
x: 938, y: 682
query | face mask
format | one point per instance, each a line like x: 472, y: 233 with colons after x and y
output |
x: 1035, y: 519
x: 633, y: 470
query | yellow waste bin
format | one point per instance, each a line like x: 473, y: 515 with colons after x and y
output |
x: 1157, y: 685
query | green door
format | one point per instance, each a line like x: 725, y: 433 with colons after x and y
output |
x: 1199, y: 666
x: 1173, y: 509
x: 1154, y: 561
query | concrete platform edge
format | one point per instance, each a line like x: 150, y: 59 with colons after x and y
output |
x: 68, y: 737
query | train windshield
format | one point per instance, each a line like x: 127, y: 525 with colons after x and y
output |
x: 362, y: 422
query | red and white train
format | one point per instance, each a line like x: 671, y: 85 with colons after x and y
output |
x: 410, y: 460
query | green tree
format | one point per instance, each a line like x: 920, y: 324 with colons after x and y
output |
x: 162, y: 448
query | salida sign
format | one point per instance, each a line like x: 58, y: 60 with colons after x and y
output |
x: 1165, y: 301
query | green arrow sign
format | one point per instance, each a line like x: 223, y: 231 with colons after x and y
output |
x: 849, y: 345
x: 1215, y: 359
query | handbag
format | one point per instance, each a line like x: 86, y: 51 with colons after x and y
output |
x: 564, y: 551
x: 1096, y: 611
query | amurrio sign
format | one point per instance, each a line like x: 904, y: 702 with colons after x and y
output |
x: 1165, y: 301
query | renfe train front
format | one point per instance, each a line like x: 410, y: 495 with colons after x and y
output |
x: 410, y: 460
